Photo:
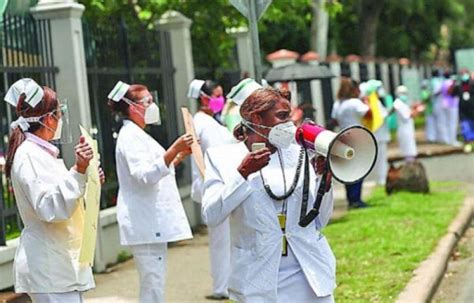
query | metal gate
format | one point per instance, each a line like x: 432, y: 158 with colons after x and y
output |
x: 114, y: 53
x: 26, y: 51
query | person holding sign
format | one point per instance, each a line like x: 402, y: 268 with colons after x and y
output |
x: 149, y: 208
x: 211, y: 133
x: 259, y: 184
x: 48, y: 196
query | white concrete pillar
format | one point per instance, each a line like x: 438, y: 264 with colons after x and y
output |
x: 69, y: 57
x: 317, y: 100
x: 384, y: 71
x: 244, y: 49
x: 371, y: 70
x: 178, y: 26
x: 335, y: 68
x: 355, y: 71
x: 396, y: 75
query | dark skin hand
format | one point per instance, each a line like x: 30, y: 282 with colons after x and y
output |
x: 318, y: 165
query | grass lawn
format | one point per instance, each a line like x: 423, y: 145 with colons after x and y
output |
x: 378, y: 248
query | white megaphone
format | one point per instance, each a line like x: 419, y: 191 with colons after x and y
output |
x: 351, y: 153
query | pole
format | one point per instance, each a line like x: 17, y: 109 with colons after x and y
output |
x: 257, y: 61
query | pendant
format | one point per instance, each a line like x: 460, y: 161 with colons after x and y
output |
x: 284, y: 242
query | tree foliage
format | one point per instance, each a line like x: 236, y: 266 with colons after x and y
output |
x: 407, y: 28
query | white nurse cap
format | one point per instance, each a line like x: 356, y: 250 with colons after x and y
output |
x: 195, y: 88
x: 119, y: 91
x: 33, y: 92
x: 243, y: 90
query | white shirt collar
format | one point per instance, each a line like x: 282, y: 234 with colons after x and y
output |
x: 50, y: 148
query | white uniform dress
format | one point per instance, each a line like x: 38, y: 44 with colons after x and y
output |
x: 259, y: 271
x: 211, y: 134
x: 405, y: 129
x: 48, y: 198
x: 149, y: 208
x: 382, y: 135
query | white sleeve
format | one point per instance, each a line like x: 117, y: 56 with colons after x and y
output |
x: 360, y: 107
x: 137, y: 156
x: 335, y: 107
x: 196, y: 187
x: 221, y: 198
x: 402, y: 109
x: 326, y: 209
x: 52, y: 202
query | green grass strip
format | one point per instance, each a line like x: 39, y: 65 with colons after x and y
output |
x: 378, y: 248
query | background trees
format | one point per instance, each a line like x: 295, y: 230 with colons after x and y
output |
x: 383, y: 28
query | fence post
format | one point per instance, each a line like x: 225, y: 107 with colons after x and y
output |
x: 68, y: 55
x: 244, y: 49
x: 178, y: 26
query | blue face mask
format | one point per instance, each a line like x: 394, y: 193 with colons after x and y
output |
x: 404, y: 98
x: 465, y: 77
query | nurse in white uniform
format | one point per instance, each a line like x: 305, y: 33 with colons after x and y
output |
x: 210, y: 134
x: 406, y: 126
x: 47, y: 195
x: 149, y: 208
x: 273, y: 259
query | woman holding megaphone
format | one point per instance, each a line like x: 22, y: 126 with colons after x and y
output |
x: 260, y: 184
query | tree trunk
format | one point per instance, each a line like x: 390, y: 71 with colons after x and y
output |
x: 370, y: 13
x: 319, y: 29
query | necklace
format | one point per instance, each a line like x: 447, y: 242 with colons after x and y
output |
x: 288, y: 193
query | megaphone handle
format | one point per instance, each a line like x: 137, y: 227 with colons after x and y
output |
x: 314, y: 212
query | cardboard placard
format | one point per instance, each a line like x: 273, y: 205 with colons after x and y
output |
x: 195, y: 147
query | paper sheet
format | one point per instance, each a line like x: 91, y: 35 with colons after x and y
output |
x: 195, y: 147
x: 91, y: 204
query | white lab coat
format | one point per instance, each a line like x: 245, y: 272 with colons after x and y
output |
x: 149, y: 207
x: 405, y: 129
x: 382, y: 135
x: 210, y: 134
x: 349, y: 112
x: 48, y: 199
x: 255, y: 232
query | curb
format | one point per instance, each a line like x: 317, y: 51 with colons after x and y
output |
x: 428, y: 275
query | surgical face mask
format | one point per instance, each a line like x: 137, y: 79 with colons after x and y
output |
x: 216, y: 104
x: 281, y: 135
x: 404, y: 98
x: 59, y: 129
x: 152, y: 114
x: 465, y: 77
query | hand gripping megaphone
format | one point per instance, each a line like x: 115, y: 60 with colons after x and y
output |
x: 350, y: 156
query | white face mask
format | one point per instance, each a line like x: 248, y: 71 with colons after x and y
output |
x: 59, y: 129
x: 152, y: 114
x: 281, y: 135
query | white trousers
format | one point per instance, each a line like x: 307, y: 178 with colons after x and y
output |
x: 441, y: 122
x: 69, y: 297
x: 452, y: 114
x: 219, y: 251
x: 380, y: 169
x: 430, y: 128
x: 151, y: 266
x: 299, y: 291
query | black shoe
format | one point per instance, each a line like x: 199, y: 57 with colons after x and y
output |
x: 359, y: 204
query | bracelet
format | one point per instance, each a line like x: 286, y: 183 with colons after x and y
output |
x: 178, y: 157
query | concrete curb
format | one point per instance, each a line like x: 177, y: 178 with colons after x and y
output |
x: 429, y: 274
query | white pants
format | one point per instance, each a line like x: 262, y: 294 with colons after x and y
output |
x: 69, y: 297
x: 299, y: 291
x: 380, y: 169
x: 441, y: 122
x: 151, y: 265
x: 452, y: 114
x: 219, y: 251
x: 430, y: 128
